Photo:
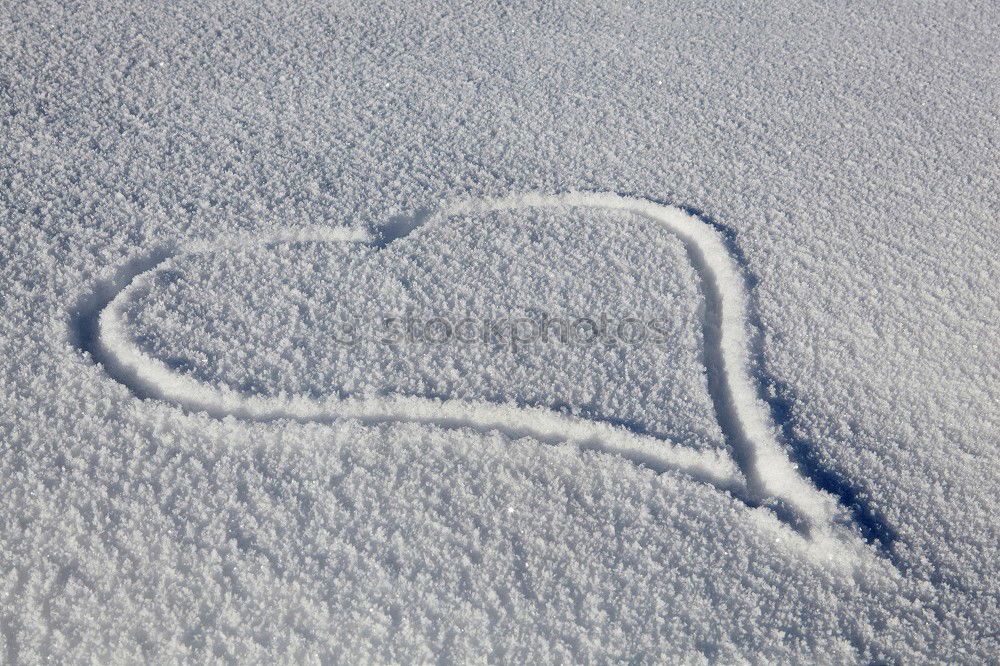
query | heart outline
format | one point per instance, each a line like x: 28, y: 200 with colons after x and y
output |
x: 759, y: 471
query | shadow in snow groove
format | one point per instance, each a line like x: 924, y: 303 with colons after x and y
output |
x: 760, y: 472
x: 85, y: 321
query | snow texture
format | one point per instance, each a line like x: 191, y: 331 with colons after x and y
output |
x: 807, y: 472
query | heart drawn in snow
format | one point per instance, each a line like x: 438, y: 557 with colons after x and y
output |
x: 613, y: 323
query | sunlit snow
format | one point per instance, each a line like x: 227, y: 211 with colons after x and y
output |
x: 770, y: 231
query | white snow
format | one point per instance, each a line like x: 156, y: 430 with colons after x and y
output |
x: 191, y: 473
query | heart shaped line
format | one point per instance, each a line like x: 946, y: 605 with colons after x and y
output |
x: 759, y: 472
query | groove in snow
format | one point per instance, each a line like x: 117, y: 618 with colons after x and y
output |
x: 759, y: 472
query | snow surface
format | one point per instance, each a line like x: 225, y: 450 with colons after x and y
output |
x: 847, y: 154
